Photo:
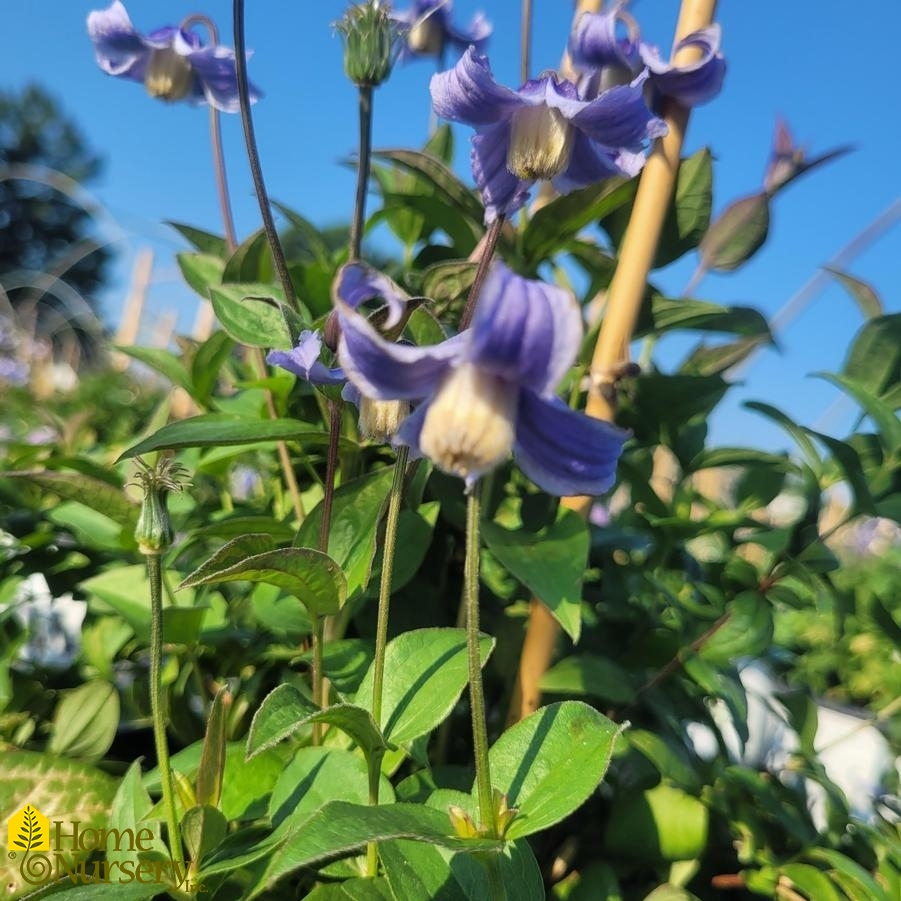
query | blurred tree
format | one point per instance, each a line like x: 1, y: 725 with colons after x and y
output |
x: 51, y: 261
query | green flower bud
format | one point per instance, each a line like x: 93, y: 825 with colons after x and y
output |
x: 154, y: 530
x: 370, y: 43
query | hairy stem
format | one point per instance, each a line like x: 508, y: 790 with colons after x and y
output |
x: 157, y: 705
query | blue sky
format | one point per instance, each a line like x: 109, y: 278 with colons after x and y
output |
x: 809, y: 61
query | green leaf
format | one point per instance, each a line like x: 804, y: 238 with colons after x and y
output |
x: 101, y: 496
x: 874, y: 359
x: 85, y: 721
x: 251, y: 315
x: 663, y: 314
x: 206, y: 242
x: 863, y: 293
x: 130, y: 810
x: 736, y: 234
x: 747, y: 632
x: 667, y: 756
x: 814, y: 461
x: 425, y: 673
x: 359, y: 888
x: 356, y: 511
x: 670, y: 893
x: 687, y: 215
x: 311, y: 576
x: 201, y: 271
x: 550, y: 763
x: 550, y: 563
x: 851, y: 468
x: 436, y: 173
x: 707, y: 360
x: 285, y: 710
x: 61, y: 789
x: 163, y: 361
x: 433, y: 213
x: 216, y: 429
x: 252, y: 261
x: 203, y: 828
x: 882, y: 415
x: 212, y: 758
x: 815, y: 884
x: 592, y: 675
x: 448, y: 281
x: 564, y: 217
x: 853, y: 878
x: 207, y: 364
x: 340, y: 828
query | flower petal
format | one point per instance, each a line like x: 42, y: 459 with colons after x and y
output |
x: 589, y: 164
x: 386, y: 371
x: 117, y: 43
x: 617, y: 118
x: 502, y: 192
x: 476, y: 33
x: 594, y: 43
x: 564, y: 452
x: 697, y: 82
x: 356, y: 283
x: 303, y: 361
x: 217, y: 77
x: 524, y: 331
x: 468, y: 93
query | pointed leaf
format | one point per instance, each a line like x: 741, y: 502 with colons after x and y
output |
x: 163, y: 361
x: 551, y: 762
x: 201, y: 271
x: 85, y: 721
x: 592, y: 675
x: 863, y: 293
x: 884, y: 417
x: 737, y: 233
x: 874, y: 359
x: 251, y: 315
x: 206, y: 242
x: 425, y: 674
x: 551, y: 563
x: 212, y: 758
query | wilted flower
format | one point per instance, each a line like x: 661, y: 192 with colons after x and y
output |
x: 489, y: 390
x: 603, y: 57
x: 429, y: 29
x: 170, y: 62
x: 542, y: 132
x: 53, y: 624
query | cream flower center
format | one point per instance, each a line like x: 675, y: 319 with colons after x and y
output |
x: 426, y: 36
x: 469, y: 427
x: 380, y: 419
x: 541, y: 143
x: 168, y: 75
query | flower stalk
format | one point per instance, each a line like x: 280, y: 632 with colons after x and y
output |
x: 624, y: 298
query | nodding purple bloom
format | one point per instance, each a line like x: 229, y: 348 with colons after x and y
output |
x: 489, y: 390
x: 542, y: 132
x: 170, y: 62
x: 603, y: 57
x: 429, y: 29
x: 355, y: 285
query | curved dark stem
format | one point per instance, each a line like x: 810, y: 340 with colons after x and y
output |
x: 525, y: 57
x: 491, y: 239
x: 356, y: 228
x: 336, y: 408
x: 278, y: 253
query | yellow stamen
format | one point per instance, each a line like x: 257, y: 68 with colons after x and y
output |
x: 168, y: 75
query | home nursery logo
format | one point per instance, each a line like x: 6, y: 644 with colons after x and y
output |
x: 55, y: 850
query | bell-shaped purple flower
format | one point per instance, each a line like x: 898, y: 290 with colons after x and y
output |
x: 603, y: 57
x: 542, y: 132
x: 430, y: 29
x: 170, y: 62
x: 489, y: 390
x: 303, y: 361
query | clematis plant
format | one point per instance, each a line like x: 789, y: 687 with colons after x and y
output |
x: 171, y: 62
x: 542, y: 132
x: 489, y: 390
x: 430, y: 29
x: 603, y: 57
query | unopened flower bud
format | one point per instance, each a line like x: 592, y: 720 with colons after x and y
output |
x: 154, y: 529
x: 380, y: 419
x: 168, y: 75
x: 370, y: 43
x: 331, y: 331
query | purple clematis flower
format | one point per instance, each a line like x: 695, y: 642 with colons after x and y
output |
x: 303, y: 361
x: 489, y: 390
x: 170, y: 62
x: 543, y: 131
x: 603, y: 56
x: 429, y: 29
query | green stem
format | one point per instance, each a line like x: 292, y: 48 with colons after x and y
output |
x: 336, y: 408
x: 359, y: 219
x: 318, y: 681
x: 253, y: 156
x: 157, y: 704
x: 474, y: 657
x: 491, y: 239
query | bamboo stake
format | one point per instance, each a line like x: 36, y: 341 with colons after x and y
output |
x: 624, y: 298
